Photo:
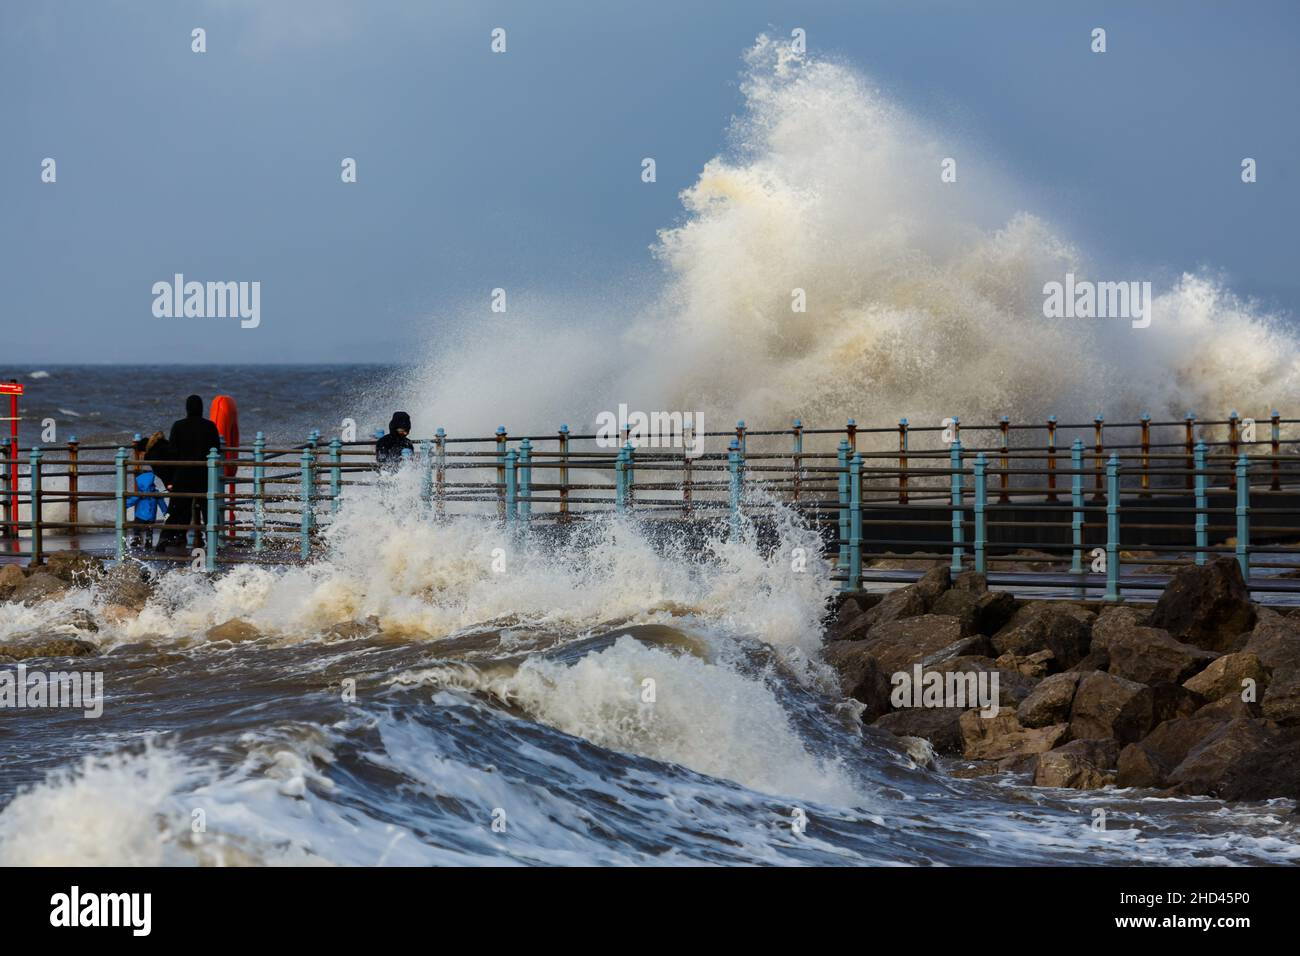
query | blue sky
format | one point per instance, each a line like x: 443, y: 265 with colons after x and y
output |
x: 522, y: 170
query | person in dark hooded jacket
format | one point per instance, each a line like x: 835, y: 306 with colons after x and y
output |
x: 191, y: 439
x: 388, y: 450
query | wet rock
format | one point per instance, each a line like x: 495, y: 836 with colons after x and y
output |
x: 920, y: 751
x: 899, y: 604
x: 1002, y: 737
x: 74, y: 567
x: 127, y: 583
x: 939, y: 725
x: 352, y: 630
x: 11, y: 578
x: 37, y: 586
x: 861, y: 676
x: 1206, y: 605
x: 1062, y: 628
x: 1229, y: 674
x: 1050, y: 702
x: 1108, y: 706
x: 58, y: 647
x: 1281, y: 701
x: 1079, y: 765
x: 234, y: 630
x: 1149, y: 762
x: 1267, y: 773
x: 78, y: 619
x: 1208, y: 764
x: 971, y: 582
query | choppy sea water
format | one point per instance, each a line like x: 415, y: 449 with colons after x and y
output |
x: 412, y: 699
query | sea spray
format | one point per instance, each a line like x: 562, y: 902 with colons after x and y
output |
x: 922, y: 298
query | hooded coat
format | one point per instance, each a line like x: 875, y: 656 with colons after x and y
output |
x: 146, y: 509
x: 388, y: 450
x: 191, y: 439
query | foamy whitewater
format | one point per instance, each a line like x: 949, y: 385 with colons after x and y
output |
x: 453, y: 692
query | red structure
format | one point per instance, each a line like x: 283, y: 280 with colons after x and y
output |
x: 13, y: 389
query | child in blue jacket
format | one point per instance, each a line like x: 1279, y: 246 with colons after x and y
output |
x: 146, y: 509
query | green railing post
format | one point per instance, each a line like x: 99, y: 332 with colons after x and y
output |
x: 620, y: 481
x: 1243, y: 515
x: 34, y: 464
x: 853, y: 579
x: 119, y: 472
x: 1276, y: 443
x: 213, y: 511
x: 629, y: 473
x: 1076, y: 505
x: 526, y: 480
x: 796, y: 456
x: 1112, y: 529
x: 843, y: 464
x: 426, y: 474
x: 336, y: 473
x: 958, y: 509
x: 1202, y: 504
x: 512, y: 487
x: 981, y: 501
x: 733, y: 466
x: 440, y: 478
x: 502, y: 438
x: 307, y: 481
x: 259, y: 474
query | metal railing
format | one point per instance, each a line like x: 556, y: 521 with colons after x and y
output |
x: 1182, y: 491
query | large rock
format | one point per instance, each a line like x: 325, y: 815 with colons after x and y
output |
x: 1281, y: 701
x: 1147, y: 655
x: 860, y: 676
x: 74, y: 567
x: 11, y: 577
x: 899, y: 604
x: 234, y: 630
x: 37, y: 586
x: 927, y: 640
x: 939, y: 725
x: 1267, y: 773
x: 980, y: 612
x: 1035, y: 666
x: 1275, y: 641
x: 1012, y: 686
x: 59, y: 647
x: 1108, y: 706
x: 1206, y: 605
x: 1002, y: 737
x: 1062, y: 628
x: 1208, y: 764
x: 1079, y: 765
x: 128, y: 584
x: 1229, y: 674
x: 1228, y: 708
x: 1049, y: 702
x: 1149, y: 762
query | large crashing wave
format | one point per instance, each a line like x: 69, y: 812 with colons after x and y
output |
x: 924, y: 298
